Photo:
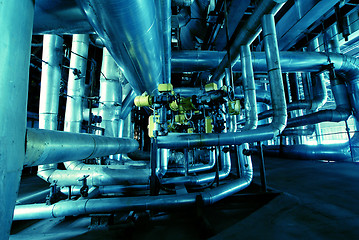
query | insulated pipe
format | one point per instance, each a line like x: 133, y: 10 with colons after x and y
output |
x: 75, y: 86
x: 320, y: 94
x: 45, y: 146
x: 340, y: 113
x: 52, y: 55
x: 110, y: 95
x: 76, y: 83
x: 204, y: 178
x: 161, y: 202
x: 166, y: 14
x: 101, y: 177
x: 197, y: 167
x: 110, y: 189
x: 182, y: 3
x: 249, y: 87
x: 127, y: 104
x: 138, y: 51
x: 278, y: 100
x: 194, y: 61
x: 249, y: 31
x: 16, y: 25
x: 331, y: 152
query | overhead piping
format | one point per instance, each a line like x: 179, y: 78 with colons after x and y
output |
x: 249, y: 31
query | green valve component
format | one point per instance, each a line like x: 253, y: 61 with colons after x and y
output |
x: 143, y: 101
x: 234, y: 107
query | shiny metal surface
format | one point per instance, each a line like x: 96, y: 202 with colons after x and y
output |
x: 278, y: 102
x: 249, y: 88
x: 134, y: 41
x: 101, y: 176
x: 162, y: 202
x: 110, y: 95
x: 76, y: 83
x: 182, y: 3
x: 203, y: 178
x: 165, y: 20
x: 298, y: 18
x: 127, y: 104
x: 249, y: 31
x: 45, y: 146
x: 60, y: 17
x: 15, y: 44
x: 52, y: 55
x: 50, y: 81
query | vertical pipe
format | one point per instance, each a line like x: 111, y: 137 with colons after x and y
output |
x: 15, y: 44
x: 166, y: 35
x: 52, y: 54
x: 110, y: 95
x: 76, y: 86
x: 50, y: 81
x: 249, y: 87
x: 76, y: 83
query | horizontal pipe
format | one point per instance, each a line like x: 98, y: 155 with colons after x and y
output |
x: 46, y: 146
x: 110, y: 189
x: 101, y: 177
x: 194, y: 61
x: 109, y: 205
x: 204, y: 178
x: 331, y: 152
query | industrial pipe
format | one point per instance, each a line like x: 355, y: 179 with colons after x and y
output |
x: 139, y: 51
x: 249, y: 87
x: 162, y: 202
x: 52, y: 55
x: 249, y: 31
x: 278, y: 100
x: 76, y: 83
x: 45, y: 146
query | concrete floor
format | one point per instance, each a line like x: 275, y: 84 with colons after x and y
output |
x: 319, y: 201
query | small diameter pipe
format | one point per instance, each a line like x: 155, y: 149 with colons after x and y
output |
x: 278, y: 124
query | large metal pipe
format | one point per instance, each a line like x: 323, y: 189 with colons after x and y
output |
x: 138, y: 51
x: 76, y: 83
x: 249, y: 87
x: 162, y: 202
x: 15, y: 45
x: 101, y: 176
x: 249, y: 31
x: 110, y: 95
x: 331, y: 152
x: 45, y: 146
x: 52, y: 55
x: 346, y: 67
x: 278, y: 100
x: 166, y: 14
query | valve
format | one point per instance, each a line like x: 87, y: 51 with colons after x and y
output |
x: 85, y: 188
